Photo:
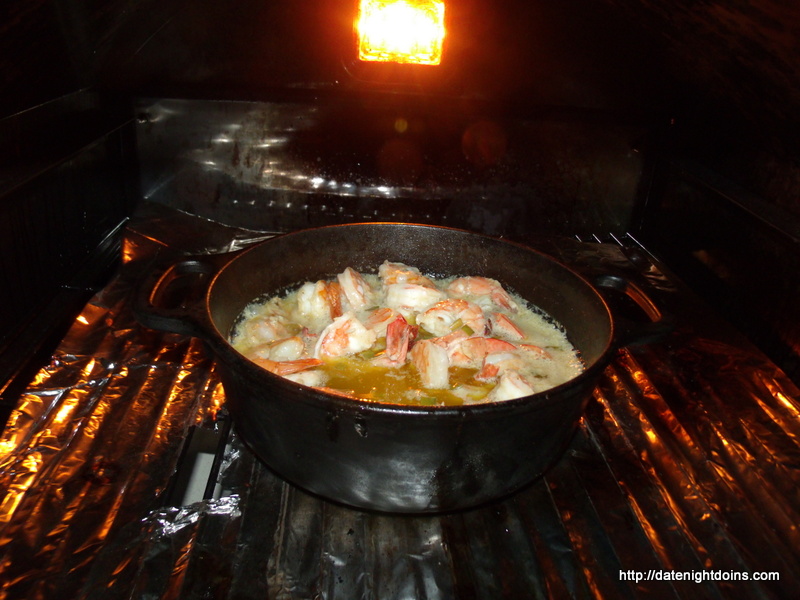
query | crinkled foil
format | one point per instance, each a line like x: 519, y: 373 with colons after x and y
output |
x: 686, y: 462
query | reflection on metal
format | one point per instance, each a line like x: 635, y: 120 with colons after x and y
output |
x: 560, y: 173
x: 401, y: 31
x: 686, y: 460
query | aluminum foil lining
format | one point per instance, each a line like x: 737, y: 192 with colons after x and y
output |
x: 682, y: 481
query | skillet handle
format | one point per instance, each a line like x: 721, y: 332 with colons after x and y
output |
x: 172, y: 297
x: 630, y: 332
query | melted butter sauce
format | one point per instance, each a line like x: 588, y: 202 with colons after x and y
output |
x: 360, y: 377
x: 399, y: 385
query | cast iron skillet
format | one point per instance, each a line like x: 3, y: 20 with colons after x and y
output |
x: 379, y: 456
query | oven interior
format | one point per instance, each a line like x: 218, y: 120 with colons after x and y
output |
x: 655, y: 137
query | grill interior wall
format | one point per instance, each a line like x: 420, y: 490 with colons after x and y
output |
x: 286, y: 166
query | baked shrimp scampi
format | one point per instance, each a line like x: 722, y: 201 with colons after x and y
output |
x: 404, y: 337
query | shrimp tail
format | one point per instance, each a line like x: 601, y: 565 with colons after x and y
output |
x: 335, y: 392
x: 287, y: 367
x: 488, y: 372
x: 333, y: 294
x: 500, y: 297
x: 502, y: 326
x: 398, y: 336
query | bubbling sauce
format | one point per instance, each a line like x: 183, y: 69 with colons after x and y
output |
x: 403, y: 337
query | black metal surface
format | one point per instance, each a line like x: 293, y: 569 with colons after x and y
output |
x: 737, y: 251
x: 67, y: 184
x: 23, y: 354
x: 441, y: 459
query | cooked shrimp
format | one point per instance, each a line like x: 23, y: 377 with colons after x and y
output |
x: 361, y: 334
x: 432, y: 364
x: 409, y: 298
x: 287, y: 367
x: 312, y: 377
x: 345, y: 336
x: 535, y: 351
x: 482, y: 287
x: 501, y: 326
x: 510, y: 385
x: 471, y: 351
x: 309, y: 340
x: 355, y: 289
x: 497, y: 363
x: 335, y: 392
x: 319, y: 302
x: 451, y: 342
x: 470, y: 393
x: 266, y: 328
x: 378, y: 320
x: 334, y: 291
x: 449, y: 315
x: 290, y: 348
x: 395, y: 272
x: 398, y: 336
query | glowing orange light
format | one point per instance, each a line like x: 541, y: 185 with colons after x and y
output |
x: 401, y: 31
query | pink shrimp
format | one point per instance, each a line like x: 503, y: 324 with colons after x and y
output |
x: 497, y: 363
x: 464, y: 287
x: 447, y: 315
x: 510, y: 385
x: 395, y: 272
x: 286, y: 367
x: 346, y: 335
x: 311, y: 377
x: 452, y: 341
x: 398, y: 336
x: 334, y: 391
x: 267, y: 328
x: 411, y: 297
x: 471, y: 351
x: 431, y: 362
x: 334, y: 292
x: 379, y: 319
x: 501, y: 326
x: 290, y: 348
x: 355, y: 288
x: 309, y: 340
x: 320, y: 301
x: 535, y: 351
